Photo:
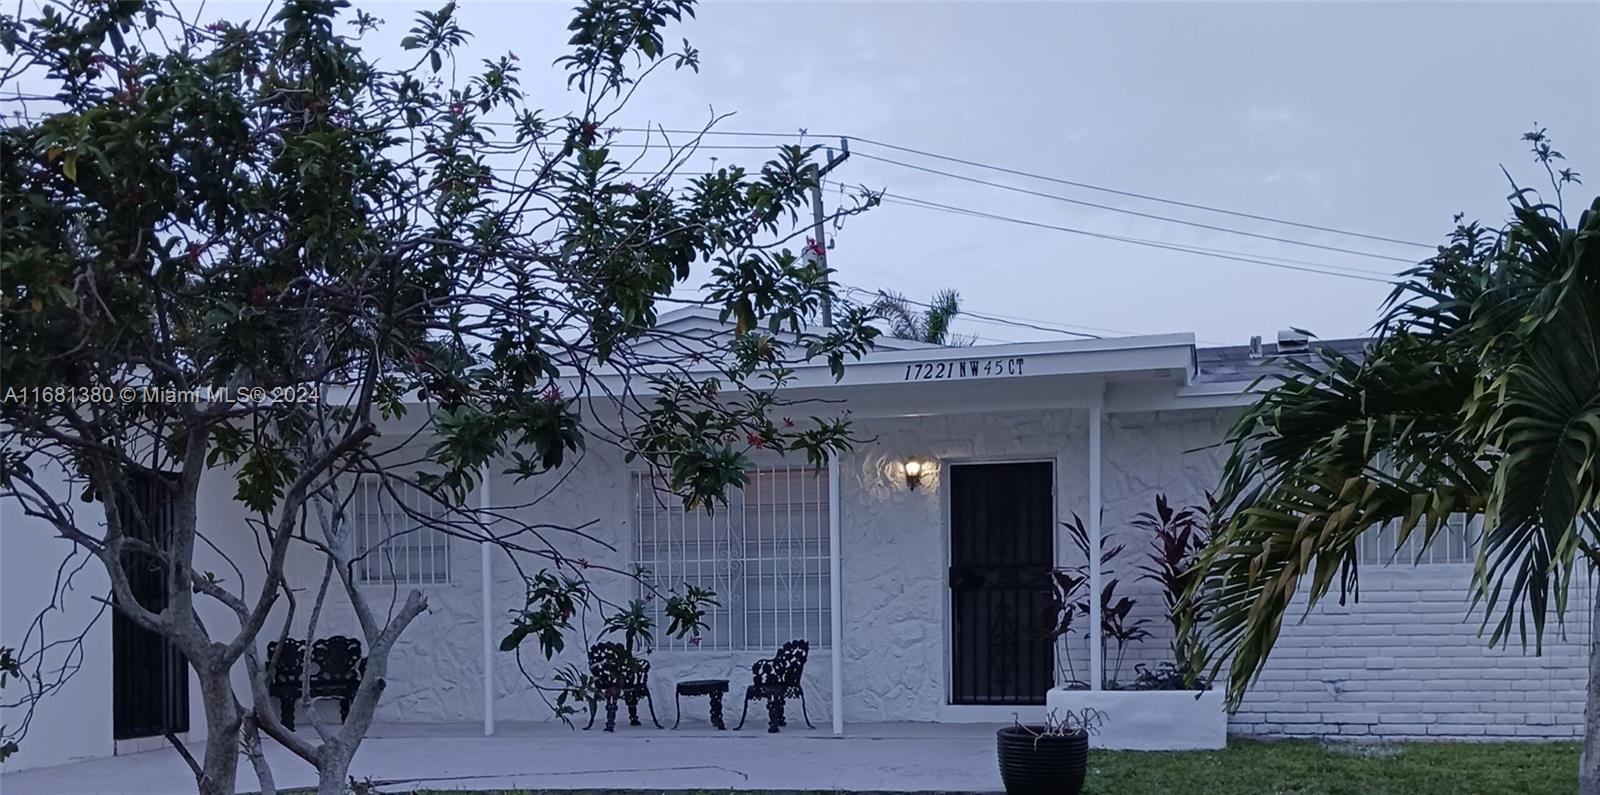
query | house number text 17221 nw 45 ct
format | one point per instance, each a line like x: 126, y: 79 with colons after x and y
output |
x: 963, y: 368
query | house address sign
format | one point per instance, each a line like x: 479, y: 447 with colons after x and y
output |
x: 964, y: 368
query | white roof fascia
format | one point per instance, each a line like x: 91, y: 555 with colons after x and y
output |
x: 1125, y: 356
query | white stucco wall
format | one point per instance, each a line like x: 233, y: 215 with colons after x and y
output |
x: 75, y: 722
x: 895, y: 548
x: 1404, y: 662
x: 436, y: 671
x: 230, y: 550
x: 31, y: 561
x: 1415, y: 666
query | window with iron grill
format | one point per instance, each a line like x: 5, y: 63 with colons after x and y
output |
x: 393, y: 543
x: 765, y: 554
x: 1454, y: 544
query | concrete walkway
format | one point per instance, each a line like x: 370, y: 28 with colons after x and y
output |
x: 885, y: 757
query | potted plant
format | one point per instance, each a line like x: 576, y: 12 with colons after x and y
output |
x: 1167, y: 706
x: 1049, y: 758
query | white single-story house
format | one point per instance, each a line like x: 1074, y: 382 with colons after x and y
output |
x: 916, y: 595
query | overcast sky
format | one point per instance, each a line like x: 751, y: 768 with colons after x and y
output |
x: 1377, y: 118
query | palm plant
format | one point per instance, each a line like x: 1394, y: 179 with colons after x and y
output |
x: 930, y: 322
x: 1480, y: 395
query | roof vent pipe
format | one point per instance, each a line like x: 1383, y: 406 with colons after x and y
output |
x: 1293, y: 341
x: 1255, y: 346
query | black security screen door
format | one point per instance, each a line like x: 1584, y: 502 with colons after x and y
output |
x: 149, y: 678
x: 1000, y: 558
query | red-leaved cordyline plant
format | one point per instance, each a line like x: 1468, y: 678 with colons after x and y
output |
x: 1179, y: 534
x: 1070, y: 600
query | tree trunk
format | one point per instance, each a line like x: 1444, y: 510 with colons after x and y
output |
x: 253, y: 750
x: 1589, y: 765
x: 333, y: 768
x: 221, y: 763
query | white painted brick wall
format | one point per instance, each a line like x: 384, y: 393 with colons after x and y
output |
x: 1405, y: 661
x: 1423, y: 670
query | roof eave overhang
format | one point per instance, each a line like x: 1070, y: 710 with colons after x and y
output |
x: 1163, y: 361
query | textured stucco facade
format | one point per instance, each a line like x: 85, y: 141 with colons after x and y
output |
x: 1404, y: 661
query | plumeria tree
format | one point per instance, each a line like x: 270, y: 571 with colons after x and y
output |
x: 288, y: 251
x: 1479, y: 397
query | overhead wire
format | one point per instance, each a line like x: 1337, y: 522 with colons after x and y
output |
x: 1136, y: 213
x: 1323, y: 269
x: 894, y: 199
x: 1046, y: 178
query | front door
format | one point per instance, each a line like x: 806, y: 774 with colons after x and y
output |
x: 149, y: 678
x: 1001, y: 551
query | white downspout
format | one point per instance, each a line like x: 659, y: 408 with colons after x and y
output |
x: 1096, y: 644
x: 835, y: 596
x: 486, y: 566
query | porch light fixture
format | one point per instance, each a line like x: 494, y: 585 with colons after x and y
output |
x: 914, y: 470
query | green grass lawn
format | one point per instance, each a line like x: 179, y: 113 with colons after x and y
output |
x: 1309, y: 768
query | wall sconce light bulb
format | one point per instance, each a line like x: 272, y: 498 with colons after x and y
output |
x: 913, y: 469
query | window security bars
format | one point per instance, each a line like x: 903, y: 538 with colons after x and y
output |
x: 765, y: 554
x: 392, y: 545
x: 1455, y: 544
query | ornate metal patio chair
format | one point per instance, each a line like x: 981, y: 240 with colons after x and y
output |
x: 618, y: 674
x: 777, y: 680
x: 337, y: 666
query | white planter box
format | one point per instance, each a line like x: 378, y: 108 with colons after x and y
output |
x: 1150, y: 720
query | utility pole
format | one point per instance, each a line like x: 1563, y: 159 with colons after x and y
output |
x: 818, y: 228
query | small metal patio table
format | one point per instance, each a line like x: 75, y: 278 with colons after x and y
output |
x: 714, y: 688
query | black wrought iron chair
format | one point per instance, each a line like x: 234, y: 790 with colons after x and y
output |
x: 777, y: 680
x: 618, y: 674
x: 337, y: 666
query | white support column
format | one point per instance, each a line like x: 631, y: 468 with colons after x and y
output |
x: 486, y: 566
x: 835, y: 596
x: 1096, y: 644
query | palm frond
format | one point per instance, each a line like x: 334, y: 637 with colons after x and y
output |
x: 1481, y: 395
x: 931, y: 324
x: 904, y: 322
x: 944, y: 307
x: 1332, y: 449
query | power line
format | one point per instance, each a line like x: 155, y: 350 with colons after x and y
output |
x: 1188, y: 247
x: 982, y: 338
x: 1144, y: 196
x: 689, y: 147
x: 1057, y: 180
x: 744, y: 133
x: 1361, y: 275
x: 1272, y: 260
x: 1126, y: 211
x: 1080, y: 202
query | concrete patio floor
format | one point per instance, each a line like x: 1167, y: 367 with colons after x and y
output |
x: 893, y: 757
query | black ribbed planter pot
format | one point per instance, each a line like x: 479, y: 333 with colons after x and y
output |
x: 1042, y: 765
